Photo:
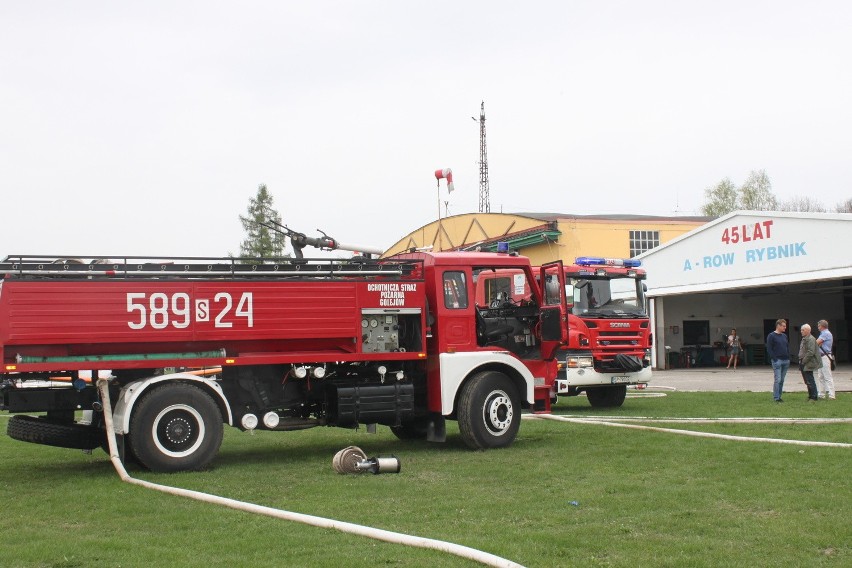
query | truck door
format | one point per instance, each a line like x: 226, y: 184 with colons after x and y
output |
x: 554, y: 309
x: 456, y: 319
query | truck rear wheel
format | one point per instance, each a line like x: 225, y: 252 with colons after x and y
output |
x: 607, y: 397
x: 176, y: 427
x: 489, y: 412
x: 40, y: 431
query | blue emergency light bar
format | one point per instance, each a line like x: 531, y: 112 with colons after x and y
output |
x: 601, y: 261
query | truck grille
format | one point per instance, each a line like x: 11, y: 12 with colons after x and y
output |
x: 617, y: 340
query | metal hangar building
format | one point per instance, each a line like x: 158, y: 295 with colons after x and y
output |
x: 746, y: 270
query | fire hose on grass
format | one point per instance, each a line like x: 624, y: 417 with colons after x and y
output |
x: 740, y: 420
x: 351, y: 528
x: 688, y: 432
x: 619, y: 422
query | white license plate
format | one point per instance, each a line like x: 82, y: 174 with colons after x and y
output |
x: 617, y: 380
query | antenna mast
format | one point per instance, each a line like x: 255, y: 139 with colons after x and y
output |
x: 484, y: 197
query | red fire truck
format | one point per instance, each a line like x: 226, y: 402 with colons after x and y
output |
x: 609, y: 342
x: 296, y: 343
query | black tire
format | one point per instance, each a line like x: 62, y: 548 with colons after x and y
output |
x: 629, y: 363
x: 414, y: 430
x: 489, y: 411
x: 175, y: 427
x: 607, y: 397
x: 39, y: 431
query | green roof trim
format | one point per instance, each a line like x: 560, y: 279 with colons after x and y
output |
x: 525, y: 239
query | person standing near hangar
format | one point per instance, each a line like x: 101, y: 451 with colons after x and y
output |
x: 825, y: 380
x: 808, y: 361
x: 778, y: 350
x: 736, y: 346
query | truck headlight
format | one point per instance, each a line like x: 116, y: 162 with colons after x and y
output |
x: 579, y: 361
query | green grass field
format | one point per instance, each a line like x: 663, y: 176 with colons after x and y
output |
x: 644, y: 498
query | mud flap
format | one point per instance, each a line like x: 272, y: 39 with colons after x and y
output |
x: 436, y: 429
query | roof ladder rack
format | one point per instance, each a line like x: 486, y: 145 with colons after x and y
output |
x: 201, y: 267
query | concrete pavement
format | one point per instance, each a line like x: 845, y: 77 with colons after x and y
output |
x: 753, y: 378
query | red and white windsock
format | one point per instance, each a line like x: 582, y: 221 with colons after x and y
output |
x: 446, y: 174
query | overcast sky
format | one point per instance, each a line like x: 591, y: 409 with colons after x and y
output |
x: 144, y: 128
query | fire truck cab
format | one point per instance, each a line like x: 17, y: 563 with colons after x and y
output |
x: 608, y: 339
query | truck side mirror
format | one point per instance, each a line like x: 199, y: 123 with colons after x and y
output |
x: 569, y: 294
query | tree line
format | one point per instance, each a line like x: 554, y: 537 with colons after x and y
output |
x: 755, y: 194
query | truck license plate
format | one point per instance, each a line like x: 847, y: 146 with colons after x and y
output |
x: 617, y: 380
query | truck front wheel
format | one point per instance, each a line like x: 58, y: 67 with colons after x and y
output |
x: 176, y: 427
x: 607, y: 397
x: 489, y: 411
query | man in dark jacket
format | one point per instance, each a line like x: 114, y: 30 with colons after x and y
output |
x: 778, y: 350
x: 809, y: 361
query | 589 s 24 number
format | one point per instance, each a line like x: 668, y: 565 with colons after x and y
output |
x: 160, y: 310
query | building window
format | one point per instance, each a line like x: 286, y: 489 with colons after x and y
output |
x: 696, y: 332
x: 641, y: 241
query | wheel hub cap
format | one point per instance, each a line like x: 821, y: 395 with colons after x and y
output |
x: 499, y: 412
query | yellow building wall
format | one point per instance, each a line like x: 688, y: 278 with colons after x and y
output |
x: 611, y: 238
x: 580, y: 237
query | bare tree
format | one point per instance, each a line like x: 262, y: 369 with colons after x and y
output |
x: 756, y: 193
x: 844, y: 206
x: 800, y: 203
x: 720, y: 199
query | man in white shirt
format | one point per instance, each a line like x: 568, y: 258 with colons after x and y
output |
x: 825, y: 382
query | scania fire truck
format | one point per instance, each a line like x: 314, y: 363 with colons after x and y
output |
x: 191, y: 344
x: 609, y: 341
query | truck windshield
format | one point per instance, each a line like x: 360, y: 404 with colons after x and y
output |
x: 607, y: 296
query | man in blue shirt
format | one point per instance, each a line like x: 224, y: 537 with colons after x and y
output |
x: 778, y: 350
x: 825, y: 341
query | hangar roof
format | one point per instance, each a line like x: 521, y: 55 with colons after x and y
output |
x: 524, y: 229
x: 618, y: 217
x: 747, y: 249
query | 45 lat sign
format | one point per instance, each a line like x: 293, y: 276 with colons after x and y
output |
x: 747, y: 233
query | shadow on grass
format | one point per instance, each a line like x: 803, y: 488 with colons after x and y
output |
x: 582, y: 407
x: 62, y: 468
x: 296, y: 450
x: 324, y: 449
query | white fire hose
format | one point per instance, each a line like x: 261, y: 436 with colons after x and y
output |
x: 609, y: 422
x: 378, y: 534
